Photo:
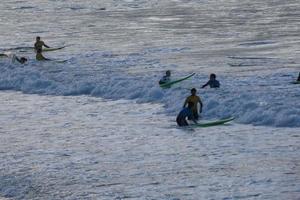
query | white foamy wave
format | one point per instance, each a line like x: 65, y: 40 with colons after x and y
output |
x: 260, y: 100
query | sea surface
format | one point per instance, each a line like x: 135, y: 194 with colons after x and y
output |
x: 98, y: 126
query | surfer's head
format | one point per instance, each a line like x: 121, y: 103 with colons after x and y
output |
x: 193, y: 91
x: 213, y: 76
x: 23, y: 60
x: 38, y: 38
x: 168, y: 73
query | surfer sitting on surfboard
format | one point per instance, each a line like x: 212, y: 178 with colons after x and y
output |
x: 184, y: 113
x: 195, y: 100
x: 165, y: 78
x: 39, y: 44
x: 213, y: 83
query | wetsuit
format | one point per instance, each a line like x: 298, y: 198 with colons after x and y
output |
x: 40, y: 57
x: 39, y: 45
x: 195, y: 99
x: 212, y: 84
x: 181, y: 117
x: 164, y: 79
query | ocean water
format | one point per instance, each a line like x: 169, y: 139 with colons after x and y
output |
x: 98, y: 126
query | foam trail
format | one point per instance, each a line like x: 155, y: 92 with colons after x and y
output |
x: 260, y: 100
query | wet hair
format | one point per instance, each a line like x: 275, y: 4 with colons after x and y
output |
x: 23, y: 59
x: 190, y: 104
x: 213, y: 76
x: 193, y: 90
x: 38, y: 37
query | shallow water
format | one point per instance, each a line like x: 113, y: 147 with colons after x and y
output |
x: 55, y: 147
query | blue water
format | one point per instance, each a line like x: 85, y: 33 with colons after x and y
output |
x: 54, y: 115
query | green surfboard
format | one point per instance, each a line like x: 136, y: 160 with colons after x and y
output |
x: 53, y: 49
x: 213, y: 123
x: 169, y: 84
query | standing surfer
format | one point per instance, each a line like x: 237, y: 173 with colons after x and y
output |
x: 195, y: 100
x: 39, y: 44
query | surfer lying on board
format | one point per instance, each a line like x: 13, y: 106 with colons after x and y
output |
x: 39, y: 44
x: 39, y: 56
x: 195, y: 100
x: 213, y: 83
x: 165, y: 78
x: 21, y: 60
x: 184, y: 113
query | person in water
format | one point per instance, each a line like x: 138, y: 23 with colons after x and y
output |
x: 39, y: 56
x: 186, y: 113
x: 21, y: 60
x: 213, y: 83
x: 165, y: 78
x: 195, y: 100
x: 298, y: 77
x: 39, y: 44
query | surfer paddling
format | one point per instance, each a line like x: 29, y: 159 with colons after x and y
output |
x: 213, y: 83
x: 186, y: 112
x: 39, y: 44
x: 165, y: 78
x: 195, y: 100
x: 21, y: 60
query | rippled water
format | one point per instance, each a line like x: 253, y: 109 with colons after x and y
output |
x: 87, y: 148
x: 99, y: 126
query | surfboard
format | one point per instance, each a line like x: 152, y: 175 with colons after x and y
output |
x: 170, y: 83
x: 213, y: 123
x: 60, y: 61
x: 53, y: 49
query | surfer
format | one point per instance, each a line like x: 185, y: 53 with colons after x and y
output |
x: 184, y: 113
x: 39, y: 44
x: 213, y: 83
x: 21, y: 60
x: 195, y: 100
x: 39, y: 56
x: 298, y: 77
x: 165, y: 78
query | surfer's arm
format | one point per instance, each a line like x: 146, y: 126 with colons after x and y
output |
x: 45, y: 45
x: 185, y: 102
x: 201, y: 105
x: 17, y: 59
x: 206, y: 84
